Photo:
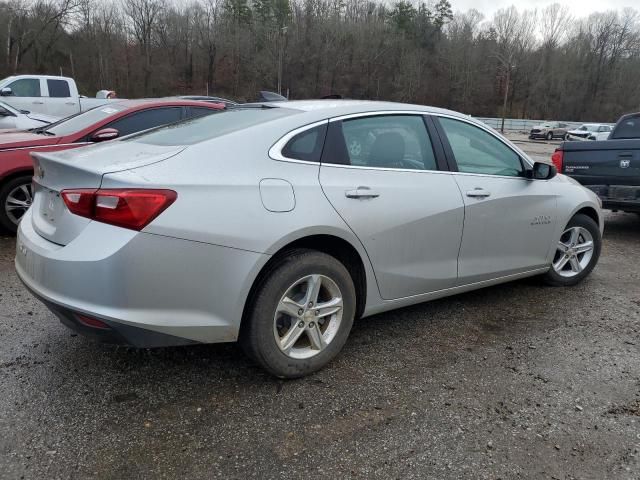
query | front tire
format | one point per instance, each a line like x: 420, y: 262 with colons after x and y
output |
x: 577, y: 252
x: 550, y: 136
x: 300, y: 315
x: 16, y: 196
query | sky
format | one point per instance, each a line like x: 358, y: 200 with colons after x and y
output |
x: 578, y: 8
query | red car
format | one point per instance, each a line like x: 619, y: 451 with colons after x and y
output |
x: 97, y: 125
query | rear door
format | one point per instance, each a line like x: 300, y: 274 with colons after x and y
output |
x: 509, y: 220
x: 60, y: 102
x: 384, y: 176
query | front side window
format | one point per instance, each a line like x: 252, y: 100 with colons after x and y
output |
x: 25, y: 87
x: 306, y: 145
x: 382, y: 141
x: 477, y: 151
x: 58, y: 88
x: 139, y: 121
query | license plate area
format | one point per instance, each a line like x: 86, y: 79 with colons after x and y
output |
x: 49, y: 204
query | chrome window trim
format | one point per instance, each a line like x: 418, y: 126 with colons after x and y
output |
x: 275, y: 152
x: 378, y: 113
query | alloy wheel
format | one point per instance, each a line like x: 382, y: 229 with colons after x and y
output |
x: 308, y: 316
x: 573, y: 252
x: 18, y: 202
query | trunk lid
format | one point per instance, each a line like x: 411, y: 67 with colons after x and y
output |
x: 82, y: 168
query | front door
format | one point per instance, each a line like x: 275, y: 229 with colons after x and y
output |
x: 26, y: 94
x: 381, y: 175
x: 509, y: 219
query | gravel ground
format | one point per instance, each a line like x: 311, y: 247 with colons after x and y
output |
x: 513, y: 381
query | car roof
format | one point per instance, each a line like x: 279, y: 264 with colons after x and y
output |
x: 336, y: 107
x: 163, y: 102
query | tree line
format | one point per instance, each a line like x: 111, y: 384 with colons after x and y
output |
x: 550, y: 63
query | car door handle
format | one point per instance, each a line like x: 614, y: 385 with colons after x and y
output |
x: 38, y: 103
x: 478, y: 193
x: 69, y: 103
x: 361, y: 192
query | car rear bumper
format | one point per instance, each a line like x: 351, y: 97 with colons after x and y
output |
x: 149, y: 290
x: 618, y: 197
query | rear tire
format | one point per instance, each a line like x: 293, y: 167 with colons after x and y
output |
x: 13, y: 193
x: 573, y: 261
x: 284, y: 308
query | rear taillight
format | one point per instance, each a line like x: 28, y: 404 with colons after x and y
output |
x: 127, y: 208
x: 557, y: 159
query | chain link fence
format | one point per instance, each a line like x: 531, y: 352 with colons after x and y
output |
x: 524, y: 125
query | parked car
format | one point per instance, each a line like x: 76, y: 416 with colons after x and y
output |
x: 14, y: 119
x: 97, y: 125
x: 611, y: 168
x: 548, y: 130
x: 205, y: 98
x: 259, y: 224
x: 263, y: 96
x: 50, y: 95
x: 589, y: 131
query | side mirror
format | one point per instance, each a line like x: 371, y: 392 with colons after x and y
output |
x: 542, y: 171
x: 6, y: 92
x: 104, y: 135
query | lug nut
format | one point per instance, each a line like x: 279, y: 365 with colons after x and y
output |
x: 300, y: 312
x: 311, y: 325
x: 301, y: 324
x: 310, y: 304
x: 317, y: 313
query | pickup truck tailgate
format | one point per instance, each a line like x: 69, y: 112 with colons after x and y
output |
x: 617, y: 161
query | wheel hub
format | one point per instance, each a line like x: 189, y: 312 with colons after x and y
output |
x: 308, y: 316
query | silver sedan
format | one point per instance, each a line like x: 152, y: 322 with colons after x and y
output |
x: 277, y: 225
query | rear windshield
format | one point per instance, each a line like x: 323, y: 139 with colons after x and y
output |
x: 83, y: 120
x: 627, y: 128
x: 211, y: 126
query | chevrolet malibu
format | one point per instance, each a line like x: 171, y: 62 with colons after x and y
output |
x: 278, y: 225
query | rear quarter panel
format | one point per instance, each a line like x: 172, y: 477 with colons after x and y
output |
x: 219, y: 201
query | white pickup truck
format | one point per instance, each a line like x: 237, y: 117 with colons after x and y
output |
x: 54, y: 96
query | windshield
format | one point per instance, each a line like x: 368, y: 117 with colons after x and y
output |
x: 589, y: 128
x: 80, y: 121
x: 8, y: 107
x: 211, y: 126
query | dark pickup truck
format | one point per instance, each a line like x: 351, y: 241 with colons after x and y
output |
x: 611, y: 168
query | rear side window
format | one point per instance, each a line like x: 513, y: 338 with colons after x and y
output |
x: 139, y: 121
x: 25, y: 87
x: 306, y: 145
x: 381, y: 141
x: 627, y: 128
x: 58, y: 88
x: 477, y: 151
